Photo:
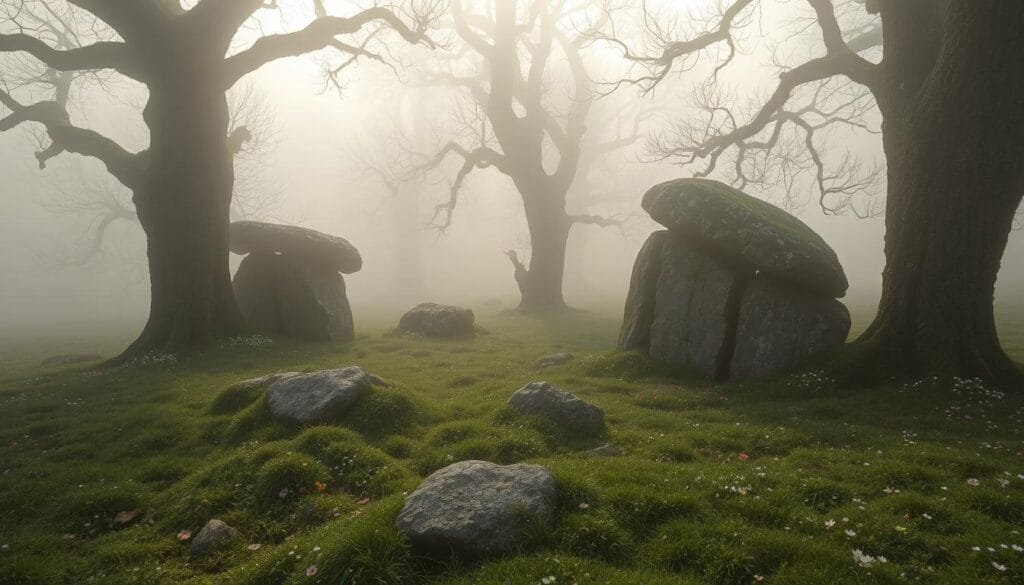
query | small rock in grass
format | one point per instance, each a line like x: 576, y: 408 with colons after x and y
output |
x: 127, y: 517
x: 323, y: 396
x: 433, y: 320
x: 606, y: 450
x: 214, y: 536
x: 544, y: 400
x: 478, y: 507
x: 557, y: 359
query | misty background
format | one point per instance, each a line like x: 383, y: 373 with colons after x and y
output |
x: 314, y: 171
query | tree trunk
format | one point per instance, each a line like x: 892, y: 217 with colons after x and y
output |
x: 541, y: 285
x: 954, y: 150
x: 184, y: 208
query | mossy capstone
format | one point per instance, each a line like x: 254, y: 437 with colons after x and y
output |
x: 747, y: 231
x: 300, y: 244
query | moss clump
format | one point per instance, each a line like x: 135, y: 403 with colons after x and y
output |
x: 285, y: 479
x: 350, y: 464
x: 236, y: 397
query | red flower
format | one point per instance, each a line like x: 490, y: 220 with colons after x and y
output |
x: 744, y: 456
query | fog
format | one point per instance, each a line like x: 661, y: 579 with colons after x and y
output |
x: 315, y: 181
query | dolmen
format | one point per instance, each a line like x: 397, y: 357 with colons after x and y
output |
x: 734, y: 288
x: 290, y: 282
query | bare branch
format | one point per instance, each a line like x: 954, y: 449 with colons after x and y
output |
x: 70, y: 138
x: 100, y: 55
x: 319, y: 34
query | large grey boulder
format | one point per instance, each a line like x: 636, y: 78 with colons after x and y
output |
x: 281, y: 296
x: 748, y: 230
x: 544, y: 400
x: 433, y: 320
x: 301, y: 244
x: 691, y: 326
x: 779, y: 326
x: 318, y: 397
x: 477, y: 507
x: 214, y: 536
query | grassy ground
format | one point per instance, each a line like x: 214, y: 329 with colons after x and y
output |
x: 928, y: 476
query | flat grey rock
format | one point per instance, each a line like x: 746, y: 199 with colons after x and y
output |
x: 300, y: 244
x: 281, y: 296
x: 748, y: 230
x: 544, y: 400
x: 477, y: 507
x: 318, y: 397
x: 780, y: 327
x: 434, y: 320
x: 214, y: 536
x: 558, y: 359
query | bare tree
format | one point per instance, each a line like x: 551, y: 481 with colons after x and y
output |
x: 950, y: 90
x: 183, y: 182
x: 522, y: 65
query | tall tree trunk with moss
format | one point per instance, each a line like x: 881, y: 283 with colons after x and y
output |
x: 953, y: 106
x: 184, y: 208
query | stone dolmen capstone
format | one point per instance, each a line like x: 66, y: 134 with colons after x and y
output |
x: 477, y: 507
x: 289, y: 284
x: 546, y: 401
x: 433, y: 320
x: 735, y: 288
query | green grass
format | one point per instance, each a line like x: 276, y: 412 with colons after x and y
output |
x: 888, y: 471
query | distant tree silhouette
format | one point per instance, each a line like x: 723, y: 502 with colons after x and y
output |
x: 522, y: 64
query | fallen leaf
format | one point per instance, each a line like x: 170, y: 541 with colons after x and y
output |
x: 363, y: 501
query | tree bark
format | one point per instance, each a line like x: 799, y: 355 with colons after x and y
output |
x: 184, y: 208
x: 954, y: 142
x: 541, y: 285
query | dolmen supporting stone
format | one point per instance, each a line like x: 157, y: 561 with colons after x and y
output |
x: 477, y: 507
x: 543, y: 400
x: 433, y: 320
x: 316, y: 397
x: 289, y: 284
x: 735, y: 288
